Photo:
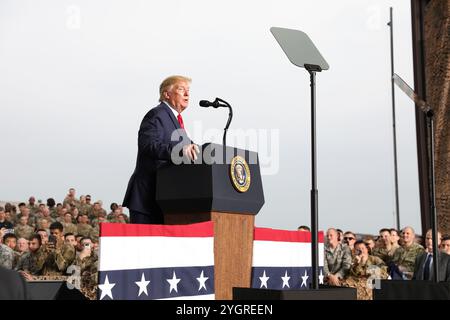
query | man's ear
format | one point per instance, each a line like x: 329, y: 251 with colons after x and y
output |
x: 166, y: 94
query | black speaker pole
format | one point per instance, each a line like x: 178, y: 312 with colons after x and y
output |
x: 314, y: 192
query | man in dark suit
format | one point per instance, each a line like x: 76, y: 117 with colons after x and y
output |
x: 423, y: 269
x: 13, y: 286
x: 161, y: 140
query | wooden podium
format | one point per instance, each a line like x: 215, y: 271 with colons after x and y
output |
x: 223, y: 188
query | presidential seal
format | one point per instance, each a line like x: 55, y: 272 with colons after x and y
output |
x: 240, y: 174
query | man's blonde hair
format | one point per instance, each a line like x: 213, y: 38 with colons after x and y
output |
x: 168, y: 83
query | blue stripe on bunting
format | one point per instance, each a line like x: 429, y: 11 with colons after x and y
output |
x: 125, y: 287
x: 278, y: 278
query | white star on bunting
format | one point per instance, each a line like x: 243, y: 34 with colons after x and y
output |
x: 142, y: 285
x: 106, y: 288
x: 202, y: 281
x: 264, y: 280
x: 321, y: 277
x: 173, y: 283
x: 304, y: 278
x: 285, y: 280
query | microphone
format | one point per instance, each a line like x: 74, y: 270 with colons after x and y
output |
x: 206, y: 104
x: 216, y: 104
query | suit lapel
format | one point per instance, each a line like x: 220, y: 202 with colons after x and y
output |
x: 171, y: 116
x: 422, y: 258
x: 175, y: 121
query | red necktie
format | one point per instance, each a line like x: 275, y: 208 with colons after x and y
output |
x: 180, y: 121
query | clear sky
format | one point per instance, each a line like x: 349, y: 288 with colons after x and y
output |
x: 77, y: 77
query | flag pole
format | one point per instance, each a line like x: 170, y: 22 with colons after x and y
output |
x: 397, y: 205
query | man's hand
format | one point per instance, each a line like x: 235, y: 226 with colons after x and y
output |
x: 191, y: 151
x: 26, y: 275
x: 51, y: 246
x: 333, y: 280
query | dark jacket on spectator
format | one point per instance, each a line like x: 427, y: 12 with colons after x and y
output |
x: 443, y: 268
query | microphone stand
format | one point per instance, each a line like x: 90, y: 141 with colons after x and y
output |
x: 216, y: 104
x: 230, y: 117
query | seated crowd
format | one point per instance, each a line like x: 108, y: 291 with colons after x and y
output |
x: 60, y: 241
x: 55, y: 241
x: 393, y: 255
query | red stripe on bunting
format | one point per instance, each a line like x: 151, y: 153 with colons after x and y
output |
x: 203, y: 229
x: 268, y: 234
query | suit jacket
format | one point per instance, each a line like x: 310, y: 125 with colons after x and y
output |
x: 444, y: 267
x: 154, y: 151
x: 13, y: 286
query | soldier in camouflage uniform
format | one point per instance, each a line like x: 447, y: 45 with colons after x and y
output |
x: 71, y: 199
x: 113, y: 216
x: 23, y: 230
x: 10, y: 213
x: 94, y: 234
x: 52, y: 208
x: 6, y: 256
x: 61, y: 214
x: 349, y: 239
x: 53, y: 213
x: 59, y: 255
x: 32, y: 205
x: 84, y: 208
x: 395, y: 239
x: 96, y: 210
x: 39, y: 211
x: 22, y: 245
x: 101, y: 219
x: 69, y: 238
x: 75, y: 213
x: 17, y: 256
x: 83, y: 227
x: 87, y: 268
x: 21, y: 207
x: 43, y: 224
x: 25, y: 212
x: 122, y: 218
x: 32, y: 261
x: 45, y: 214
x: 364, y: 271
x: 9, y: 207
x: 4, y: 223
x: 69, y: 227
x: 337, y: 259
x: 385, y: 250
x: 10, y: 239
x: 127, y: 218
x: 405, y: 256
x: 22, y: 248
x: 44, y: 235
x: 10, y: 218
